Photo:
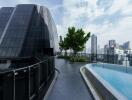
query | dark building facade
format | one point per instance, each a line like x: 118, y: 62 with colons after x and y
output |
x: 26, y: 31
x: 28, y: 43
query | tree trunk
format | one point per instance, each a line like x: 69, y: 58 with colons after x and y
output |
x: 75, y: 53
x: 60, y: 52
x: 65, y: 52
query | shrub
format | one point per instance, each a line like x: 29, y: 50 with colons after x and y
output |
x: 78, y: 59
x: 75, y: 58
x: 63, y: 57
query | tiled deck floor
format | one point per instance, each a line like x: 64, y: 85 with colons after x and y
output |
x: 69, y: 85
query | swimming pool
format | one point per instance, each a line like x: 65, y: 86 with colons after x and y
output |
x: 116, y: 80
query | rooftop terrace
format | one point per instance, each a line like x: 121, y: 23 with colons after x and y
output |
x: 69, y: 84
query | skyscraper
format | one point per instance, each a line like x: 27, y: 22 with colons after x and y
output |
x: 94, y: 47
x: 93, y: 44
x: 126, y: 45
x: 106, y: 49
x: 112, y: 43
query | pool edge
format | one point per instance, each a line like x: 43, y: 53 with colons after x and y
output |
x: 89, y: 85
x: 85, y: 70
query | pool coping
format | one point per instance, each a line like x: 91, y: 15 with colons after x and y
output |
x: 114, y: 92
x: 89, y: 85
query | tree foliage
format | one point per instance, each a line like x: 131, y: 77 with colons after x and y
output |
x: 63, y: 45
x: 75, y: 39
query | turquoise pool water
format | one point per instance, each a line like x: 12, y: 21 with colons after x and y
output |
x: 119, y: 80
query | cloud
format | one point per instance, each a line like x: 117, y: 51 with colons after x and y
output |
x: 108, y: 19
x: 23, y: 1
x: 117, y: 5
x: 13, y: 2
x: 127, y: 10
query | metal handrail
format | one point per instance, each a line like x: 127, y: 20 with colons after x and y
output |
x: 42, y: 78
x: 17, y: 69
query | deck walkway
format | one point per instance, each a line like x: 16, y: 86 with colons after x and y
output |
x: 69, y: 85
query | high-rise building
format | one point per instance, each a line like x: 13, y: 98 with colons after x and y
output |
x: 94, y: 47
x: 126, y: 45
x: 106, y: 49
x: 93, y: 44
x: 112, y: 43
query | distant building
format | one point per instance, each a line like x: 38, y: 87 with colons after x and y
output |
x: 111, y: 47
x: 93, y: 44
x: 126, y: 45
x: 100, y: 51
x: 112, y: 43
x: 94, y: 47
x: 118, y: 46
x: 114, y: 52
x: 106, y: 49
x: 114, y: 48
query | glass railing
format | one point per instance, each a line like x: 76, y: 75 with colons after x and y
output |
x: 27, y: 83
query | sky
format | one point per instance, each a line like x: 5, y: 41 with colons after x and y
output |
x: 108, y: 19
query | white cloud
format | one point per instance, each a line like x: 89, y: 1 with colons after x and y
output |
x: 117, y: 5
x: 14, y: 2
x: 127, y: 10
x: 75, y: 9
x: 109, y: 29
x: 24, y: 1
x: 60, y: 30
x: 56, y: 7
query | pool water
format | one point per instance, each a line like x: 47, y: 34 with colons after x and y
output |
x: 121, y: 81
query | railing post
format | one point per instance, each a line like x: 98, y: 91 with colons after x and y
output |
x: 37, y: 78
x: 47, y: 71
x: 14, y: 85
x: 29, y: 83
